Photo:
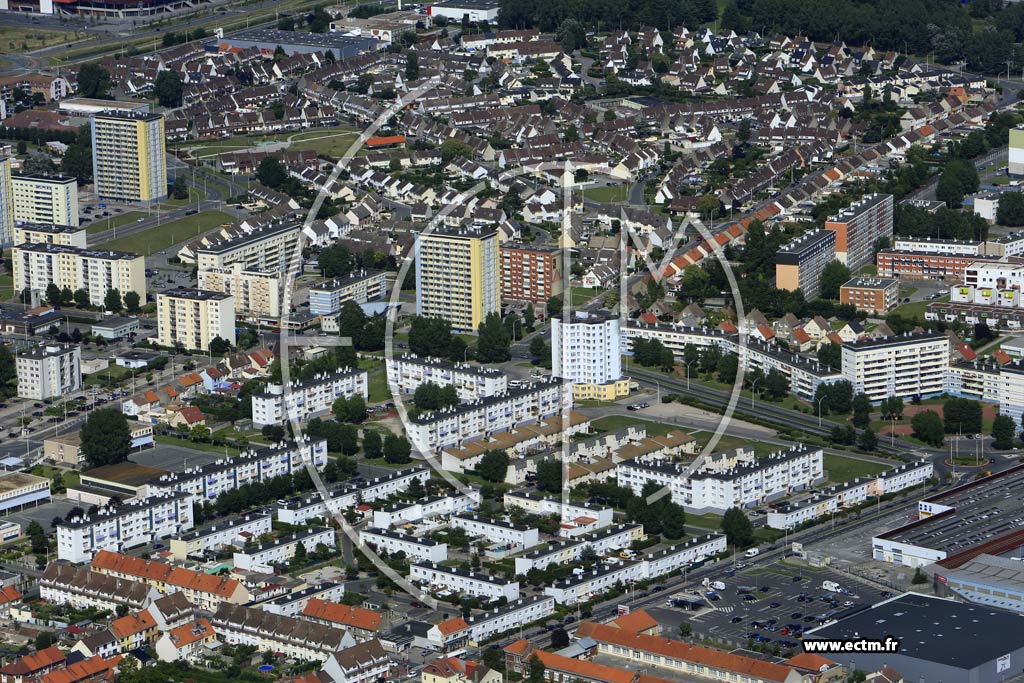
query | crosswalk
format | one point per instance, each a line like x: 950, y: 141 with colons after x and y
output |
x: 725, y: 610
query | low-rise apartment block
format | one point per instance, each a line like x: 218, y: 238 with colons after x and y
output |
x: 66, y: 584
x: 280, y: 551
x: 40, y: 198
x: 440, y: 429
x: 230, y: 532
x: 267, y: 250
x: 905, y: 366
x: 257, y: 293
x: 132, y: 523
x: 537, y: 504
x: 96, y: 271
x: 49, y: 233
x: 426, y: 508
x: 363, y: 624
x: 327, y: 296
x: 497, y: 531
x: 49, y: 371
x: 314, y: 506
x: 416, y: 548
x: 479, y: 584
x: 294, y: 604
x: 192, y: 318
x: 206, y: 482
x: 267, y: 632
x: 306, y: 399
x: 407, y: 372
x: 205, y: 591
x: 875, y: 295
x: 922, y: 265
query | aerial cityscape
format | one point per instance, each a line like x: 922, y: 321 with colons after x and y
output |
x: 484, y: 341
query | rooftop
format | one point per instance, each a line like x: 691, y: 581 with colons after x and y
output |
x: 275, y: 36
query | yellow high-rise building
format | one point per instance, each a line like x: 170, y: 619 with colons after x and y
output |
x: 129, y: 160
x: 194, y: 317
x: 458, y: 275
x: 6, y: 202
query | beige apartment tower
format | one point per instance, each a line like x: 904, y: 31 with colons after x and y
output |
x: 129, y: 160
x: 194, y: 317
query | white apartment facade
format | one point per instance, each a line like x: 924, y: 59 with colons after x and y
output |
x: 133, y: 523
x: 587, y: 350
x: 40, y: 198
x: 49, y: 371
x: 97, y: 271
x: 904, y: 366
x: 307, y: 399
x: 416, y: 548
x: 425, y: 509
x: 407, y: 372
x: 496, y: 530
x: 338, y: 500
x: 206, y: 482
x: 6, y: 202
x: 268, y: 250
x: 65, y: 235
x: 257, y: 293
x: 193, y: 318
x: 478, y: 584
x: 226, y: 533
x: 280, y: 551
x: 536, y: 504
x: 326, y: 297
x: 443, y: 428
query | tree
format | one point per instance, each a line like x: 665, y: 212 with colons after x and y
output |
x: 53, y: 295
x: 452, y: 148
x: 372, y: 447
x: 694, y: 284
x: 300, y: 557
x: 831, y: 354
x: 708, y: 206
x: 271, y: 172
x: 105, y: 437
x: 44, y: 639
x: 179, y: 188
x: 927, y: 426
x: 1003, y: 431
x: 412, y: 66
x: 961, y: 416
x: 1011, y: 209
x: 867, y: 440
x: 919, y: 577
x: 397, y: 450
x: 737, y: 527
x: 549, y: 476
x: 833, y: 276
x: 535, y: 670
x: 728, y: 367
x: 430, y: 336
x: 559, y: 638
x: 892, y: 408
x: 219, y: 346
x: 493, y: 466
x: 861, y: 411
x: 685, y: 629
x: 168, y: 88
x: 112, y: 301
x: 493, y: 341
x: 8, y: 367
x: 336, y: 261
x: 131, y: 302
x: 93, y: 81
x: 571, y: 35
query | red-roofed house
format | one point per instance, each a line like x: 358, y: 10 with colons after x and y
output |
x: 635, y: 622
x: 449, y: 635
x: 92, y: 669
x: 1001, y: 356
x: 802, y: 340
x: 189, y: 416
x: 32, y: 666
x: 455, y: 670
x: 826, y: 669
x: 648, y: 317
x: 186, y: 642
x: 763, y: 332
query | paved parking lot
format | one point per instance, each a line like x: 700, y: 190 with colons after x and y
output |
x: 783, y: 597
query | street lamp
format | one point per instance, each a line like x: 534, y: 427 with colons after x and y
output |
x: 753, y: 388
x: 819, y: 409
x: 687, y: 364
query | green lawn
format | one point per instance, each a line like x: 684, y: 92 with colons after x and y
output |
x: 581, y: 295
x: 915, y: 309
x: 377, y: 380
x: 186, y: 443
x: 868, y: 270
x: 194, y: 195
x: 708, y: 521
x: 113, y: 373
x: 728, y: 443
x: 6, y: 286
x: 842, y: 469
x: 167, y: 235
x: 334, y: 142
x: 607, y: 194
x: 115, y: 221
x: 610, y: 423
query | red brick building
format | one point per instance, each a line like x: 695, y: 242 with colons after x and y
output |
x: 530, y: 273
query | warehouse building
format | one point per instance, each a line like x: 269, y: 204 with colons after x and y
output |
x: 295, y: 42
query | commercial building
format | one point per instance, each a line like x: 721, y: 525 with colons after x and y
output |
x: 296, y: 42
x: 858, y: 229
x: 455, y: 10
x: 439, y: 429
x: 40, y: 198
x: 306, y: 399
x: 990, y: 580
x: 800, y: 262
x: 458, y: 273
x: 258, y: 465
x: 875, y: 295
x: 192, y: 318
x: 129, y: 159
x: 115, y: 327
x: 479, y: 584
x: 268, y: 250
x: 407, y: 372
x: 65, y: 235
x: 995, y: 641
x: 257, y: 293
x: 905, y: 366
x: 49, y: 371
x: 416, y: 548
x: 234, y: 531
x: 530, y: 273
x: 19, y: 490
x: 587, y: 350
x: 97, y: 271
x: 727, y: 480
x: 922, y: 265
x: 327, y: 296
x: 132, y: 523
x: 280, y: 551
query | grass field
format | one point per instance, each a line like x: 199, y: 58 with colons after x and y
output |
x: 708, y: 521
x: 194, y: 195
x: 167, y: 235
x: 115, y: 221
x: 842, y: 469
x: 607, y: 194
x: 16, y: 39
x: 6, y: 286
x: 581, y: 295
x: 914, y: 309
x: 333, y: 142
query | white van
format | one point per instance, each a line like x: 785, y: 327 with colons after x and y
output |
x: 830, y: 586
x: 718, y: 585
x: 753, y: 552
